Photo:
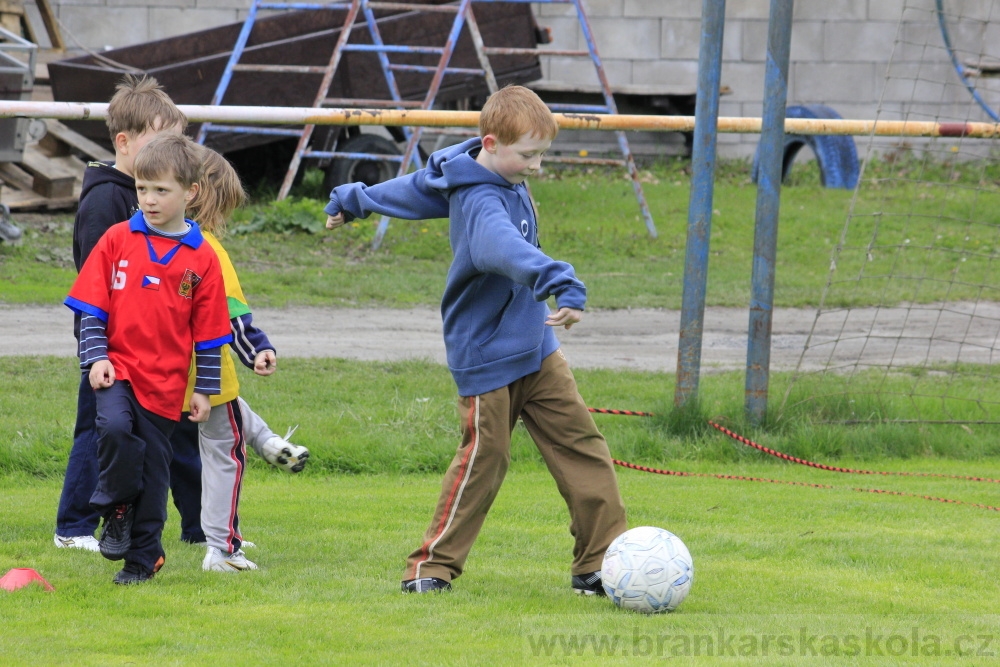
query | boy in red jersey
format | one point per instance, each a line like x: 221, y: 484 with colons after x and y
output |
x: 150, y: 292
x: 138, y: 111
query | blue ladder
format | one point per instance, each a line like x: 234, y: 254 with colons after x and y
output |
x: 464, y: 17
x: 355, y: 7
x: 609, y: 105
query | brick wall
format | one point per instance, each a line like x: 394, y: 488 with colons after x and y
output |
x: 840, y: 50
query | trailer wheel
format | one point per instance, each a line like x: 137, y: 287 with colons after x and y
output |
x: 369, y: 172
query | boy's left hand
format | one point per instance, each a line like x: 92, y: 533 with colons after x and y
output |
x: 564, y: 317
x: 265, y: 362
x: 201, y: 408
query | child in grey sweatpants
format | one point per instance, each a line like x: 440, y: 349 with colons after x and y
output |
x: 232, y: 425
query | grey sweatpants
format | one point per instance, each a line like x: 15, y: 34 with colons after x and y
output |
x: 222, y: 441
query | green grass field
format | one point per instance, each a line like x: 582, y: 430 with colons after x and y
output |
x: 589, y: 218
x: 785, y: 574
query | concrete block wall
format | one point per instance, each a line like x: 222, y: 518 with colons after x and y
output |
x: 99, y: 24
x: 840, y: 53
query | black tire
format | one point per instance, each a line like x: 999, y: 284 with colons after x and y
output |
x: 369, y: 172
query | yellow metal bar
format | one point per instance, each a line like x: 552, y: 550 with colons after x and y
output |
x: 440, y: 118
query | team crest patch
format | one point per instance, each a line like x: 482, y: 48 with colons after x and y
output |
x: 188, y: 283
x: 151, y: 282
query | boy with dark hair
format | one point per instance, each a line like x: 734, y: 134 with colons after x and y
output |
x: 150, y: 292
x: 498, y: 331
x: 139, y: 111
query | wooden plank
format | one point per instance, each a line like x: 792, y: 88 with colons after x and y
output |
x: 11, y: 22
x: 21, y: 200
x: 53, y: 177
x: 51, y: 25
x: 76, y: 140
x: 15, y: 177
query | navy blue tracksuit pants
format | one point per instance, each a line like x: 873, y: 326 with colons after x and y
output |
x: 133, y: 453
x: 75, y: 516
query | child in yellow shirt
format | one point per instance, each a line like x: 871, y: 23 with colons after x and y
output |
x: 232, y: 424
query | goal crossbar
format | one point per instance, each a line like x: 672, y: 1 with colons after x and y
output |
x: 566, y: 121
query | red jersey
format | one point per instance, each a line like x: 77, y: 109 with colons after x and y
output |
x: 160, y: 298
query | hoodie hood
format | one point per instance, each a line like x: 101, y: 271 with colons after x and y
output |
x: 107, y: 197
x: 456, y: 167
x: 99, y: 173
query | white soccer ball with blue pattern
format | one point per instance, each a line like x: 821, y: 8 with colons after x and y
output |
x: 648, y: 570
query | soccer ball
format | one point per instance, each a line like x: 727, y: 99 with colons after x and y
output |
x: 648, y: 570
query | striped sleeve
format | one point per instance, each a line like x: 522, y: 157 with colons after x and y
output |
x: 93, y: 340
x: 248, y: 340
x: 208, y: 371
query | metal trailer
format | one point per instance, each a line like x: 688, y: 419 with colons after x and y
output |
x: 190, y: 67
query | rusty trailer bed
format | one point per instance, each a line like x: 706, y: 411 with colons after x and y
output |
x: 190, y: 66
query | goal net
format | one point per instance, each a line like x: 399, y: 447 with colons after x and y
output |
x: 908, y: 327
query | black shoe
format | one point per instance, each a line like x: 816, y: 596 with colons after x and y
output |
x: 425, y: 585
x: 116, y: 537
x: 133, y: 573
x: 588, y: 584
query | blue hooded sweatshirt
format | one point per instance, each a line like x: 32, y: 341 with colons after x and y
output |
x: 493, y: 307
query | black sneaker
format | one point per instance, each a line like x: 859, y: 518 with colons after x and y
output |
x: 588, y: 584
x: 425, y: 585
x: 133, y: 573
x: 116, y: 536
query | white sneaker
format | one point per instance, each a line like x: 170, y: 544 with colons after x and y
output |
x: 85, y: 542
x: 216, y: 561
x: 284, y: 455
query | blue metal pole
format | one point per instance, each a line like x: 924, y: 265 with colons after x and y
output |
x: 772, y: 146
x: 227, y: 73
x: 713, y: 14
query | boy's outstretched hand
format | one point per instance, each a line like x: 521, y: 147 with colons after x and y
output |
x: 564, y: 317
x: 334, y: 221
x: 265, y: 362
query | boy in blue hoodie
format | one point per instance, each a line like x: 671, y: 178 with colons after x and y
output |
x: 499, y: 337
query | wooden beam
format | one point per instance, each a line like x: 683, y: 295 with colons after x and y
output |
x: 11, y: 15
x: 74, y: 140
x: 53, y: 177
x: 51, y: 25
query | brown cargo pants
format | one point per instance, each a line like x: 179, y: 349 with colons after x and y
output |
x: 574, y: 450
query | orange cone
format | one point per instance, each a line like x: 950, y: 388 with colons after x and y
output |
x: 19, y: 577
